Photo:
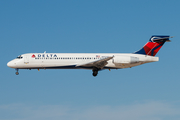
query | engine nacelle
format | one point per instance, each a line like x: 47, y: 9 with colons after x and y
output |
x: 125, y: 60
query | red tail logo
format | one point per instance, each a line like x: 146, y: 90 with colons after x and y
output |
x: 153, y: 46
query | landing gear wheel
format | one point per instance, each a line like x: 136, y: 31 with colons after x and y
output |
x: 17, y: 73
x: 95, y: 73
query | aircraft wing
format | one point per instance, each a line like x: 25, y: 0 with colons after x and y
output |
x: 98, y: 64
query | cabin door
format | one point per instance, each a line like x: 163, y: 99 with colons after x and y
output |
x: 26, y: 60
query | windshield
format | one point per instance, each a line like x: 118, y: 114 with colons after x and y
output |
x: 19, y: 57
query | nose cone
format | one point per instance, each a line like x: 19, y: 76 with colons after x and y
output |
x: 11, y: 64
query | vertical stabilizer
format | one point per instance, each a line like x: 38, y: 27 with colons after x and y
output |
x: 153, y: 45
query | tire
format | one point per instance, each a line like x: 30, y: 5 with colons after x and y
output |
x: 95, y: 73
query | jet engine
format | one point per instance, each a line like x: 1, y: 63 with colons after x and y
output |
x: 125, y: 60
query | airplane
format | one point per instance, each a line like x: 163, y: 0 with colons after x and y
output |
x: 92, y: 61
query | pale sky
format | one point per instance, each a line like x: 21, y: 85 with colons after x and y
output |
x: 146, y: 92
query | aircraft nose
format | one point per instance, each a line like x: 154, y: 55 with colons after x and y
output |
x: 11, y: 64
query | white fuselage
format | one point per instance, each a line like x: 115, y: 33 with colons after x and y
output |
x: 76, y: 60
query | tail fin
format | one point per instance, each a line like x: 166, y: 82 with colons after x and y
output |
x: 154, y: 45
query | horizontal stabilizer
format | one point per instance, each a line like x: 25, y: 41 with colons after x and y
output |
x: 165, y: 39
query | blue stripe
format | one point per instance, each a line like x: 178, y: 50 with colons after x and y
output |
x: 141, y: 51
x: 67, y: 67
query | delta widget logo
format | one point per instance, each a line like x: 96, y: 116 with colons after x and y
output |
x: 33, y: 56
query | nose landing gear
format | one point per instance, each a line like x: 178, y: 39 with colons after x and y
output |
x: 17, y: 73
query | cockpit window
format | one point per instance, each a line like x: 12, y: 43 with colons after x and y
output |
x: 19, y: 57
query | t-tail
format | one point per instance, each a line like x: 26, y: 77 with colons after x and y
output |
x: 153, y: 45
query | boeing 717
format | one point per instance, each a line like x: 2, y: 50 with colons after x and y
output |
x: 92, y: 61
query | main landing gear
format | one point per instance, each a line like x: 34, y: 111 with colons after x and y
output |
x: 17, y: 73
x: 95, y: 72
